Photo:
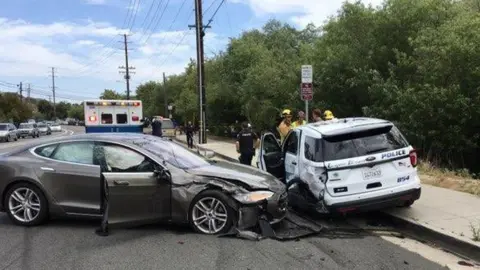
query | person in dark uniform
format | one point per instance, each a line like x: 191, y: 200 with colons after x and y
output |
x: 247, y: 140
x: 189, y: 132
x: 157, y: 127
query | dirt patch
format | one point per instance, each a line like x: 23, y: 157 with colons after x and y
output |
x: 459, y: 181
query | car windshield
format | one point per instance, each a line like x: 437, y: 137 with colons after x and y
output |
x: 55, y: 125
x: 167, y: 124
x: 3, y: 127
x: 172, y: 153
x: 24, y: 125
x: 41, y: 125
x: 355, y: 145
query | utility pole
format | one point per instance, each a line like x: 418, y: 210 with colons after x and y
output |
x: 28, y: 92
x: 126, y: 67
x: 165, y: 94
x: 202, y: 138
x: 53, y: 91
x: 20, y: 89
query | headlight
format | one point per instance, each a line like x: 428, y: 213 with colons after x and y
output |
x: 253, y: 197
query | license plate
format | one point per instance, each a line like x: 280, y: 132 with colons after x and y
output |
x: 372, y: 173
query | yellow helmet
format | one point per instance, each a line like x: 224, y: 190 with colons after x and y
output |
x: 286, y: 112
x: 328, y: 115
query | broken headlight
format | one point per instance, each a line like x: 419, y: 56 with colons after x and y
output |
x: 253, y: 197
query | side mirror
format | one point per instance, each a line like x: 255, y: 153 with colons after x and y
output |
x: 163, y: 175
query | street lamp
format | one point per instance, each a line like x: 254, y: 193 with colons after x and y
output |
x: 170, y: 108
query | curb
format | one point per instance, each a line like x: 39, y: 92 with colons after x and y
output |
x: 449, y: 242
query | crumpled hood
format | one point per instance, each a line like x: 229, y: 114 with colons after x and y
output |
x: 251, y: 176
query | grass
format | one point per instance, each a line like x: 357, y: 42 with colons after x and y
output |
x: 475, y: 232
x: 460, y: 180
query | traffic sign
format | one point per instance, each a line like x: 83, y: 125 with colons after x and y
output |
x: 307, y: 74
x: 306, y: 91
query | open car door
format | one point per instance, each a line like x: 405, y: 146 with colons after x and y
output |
x: 136, y: 190
x: 271, y: 156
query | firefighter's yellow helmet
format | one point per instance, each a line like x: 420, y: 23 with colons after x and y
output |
x: 286, y: 112
x: 328, y: 115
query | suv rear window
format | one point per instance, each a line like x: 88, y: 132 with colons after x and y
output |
x: 363, y: 143
x: 167, y: 124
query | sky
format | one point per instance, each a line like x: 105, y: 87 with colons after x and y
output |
x: 82, y: 40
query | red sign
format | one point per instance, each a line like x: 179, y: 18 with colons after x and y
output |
x: 306, y: 91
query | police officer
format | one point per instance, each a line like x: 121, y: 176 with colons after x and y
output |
x: 157, y: 127
x: 189, y: 132
x: 247, y: 140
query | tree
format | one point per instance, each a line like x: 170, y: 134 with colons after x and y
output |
x: 76, y: 111
x: 13, y: 109
x: 111, y: 94
x: 45, y: 108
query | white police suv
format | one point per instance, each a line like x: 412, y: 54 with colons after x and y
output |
x: 343, y: 165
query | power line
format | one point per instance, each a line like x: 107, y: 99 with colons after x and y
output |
x: 213, y: 16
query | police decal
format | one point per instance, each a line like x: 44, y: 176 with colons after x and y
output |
x: 395, y: 153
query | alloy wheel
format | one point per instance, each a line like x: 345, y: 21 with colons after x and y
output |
x: 24, y: 204
x: 209, y: 215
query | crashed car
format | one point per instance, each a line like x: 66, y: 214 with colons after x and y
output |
x: 140, y: 178
x: 343, y: 165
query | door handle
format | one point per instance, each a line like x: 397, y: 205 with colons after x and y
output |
x: 294, y: 162
x: 121, y: 183
x: 47, y: 169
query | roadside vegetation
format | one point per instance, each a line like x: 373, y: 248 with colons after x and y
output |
x: 415, y: 62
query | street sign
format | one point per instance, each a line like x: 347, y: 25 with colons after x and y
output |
x: 307, y: 74
x: 306, y: 91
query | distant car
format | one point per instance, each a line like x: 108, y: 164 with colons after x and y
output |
x: 28, y: 130
x: 145, y: 178
x: 55, y: 127
x: 342, y: 165
x: 168, y: 128
x: 8, y: 132
x: 44, y: 129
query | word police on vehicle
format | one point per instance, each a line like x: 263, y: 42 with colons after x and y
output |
x: 397, y: 153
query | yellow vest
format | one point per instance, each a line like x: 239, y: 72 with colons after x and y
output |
x: 296, y: 124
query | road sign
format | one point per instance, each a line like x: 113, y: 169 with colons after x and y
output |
x: 306, y: 91
x: 307, y: 74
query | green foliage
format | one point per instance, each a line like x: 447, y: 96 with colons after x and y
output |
x: 415, y: 62
x: 76, y: 111
x: 111, y: 94
x: 14, y: 110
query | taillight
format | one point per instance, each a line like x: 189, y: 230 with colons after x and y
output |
x: 413, y: 158
x: 92, y: 118
x: 135, y: 118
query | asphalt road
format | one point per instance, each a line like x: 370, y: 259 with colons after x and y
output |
x: 72, y: 244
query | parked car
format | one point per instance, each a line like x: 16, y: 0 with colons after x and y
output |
x: 343, y: 165
x: 168, y: 128
x: 44, y: 129
x: 28, y: 130
x: 145, y: 178
x: 8, y: 132
x: 55, y: 127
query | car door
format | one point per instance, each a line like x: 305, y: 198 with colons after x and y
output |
x: 291, y: 149
x: 136, y: 196
x: 270, y: 156
x: 71, y: 174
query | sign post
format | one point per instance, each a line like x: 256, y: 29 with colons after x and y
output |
x: 306, y: 88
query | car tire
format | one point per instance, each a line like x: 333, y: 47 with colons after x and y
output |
x: 15, y: 139
x: 37, y: 204
x: 225, y: 213
x: 408, y: 203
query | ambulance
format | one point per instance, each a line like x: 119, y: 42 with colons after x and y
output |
x: 113, y: 116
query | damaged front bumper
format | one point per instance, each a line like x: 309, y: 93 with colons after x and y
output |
x: 274, y: 209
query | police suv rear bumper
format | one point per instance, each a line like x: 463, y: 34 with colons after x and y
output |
x: 376, y: 203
